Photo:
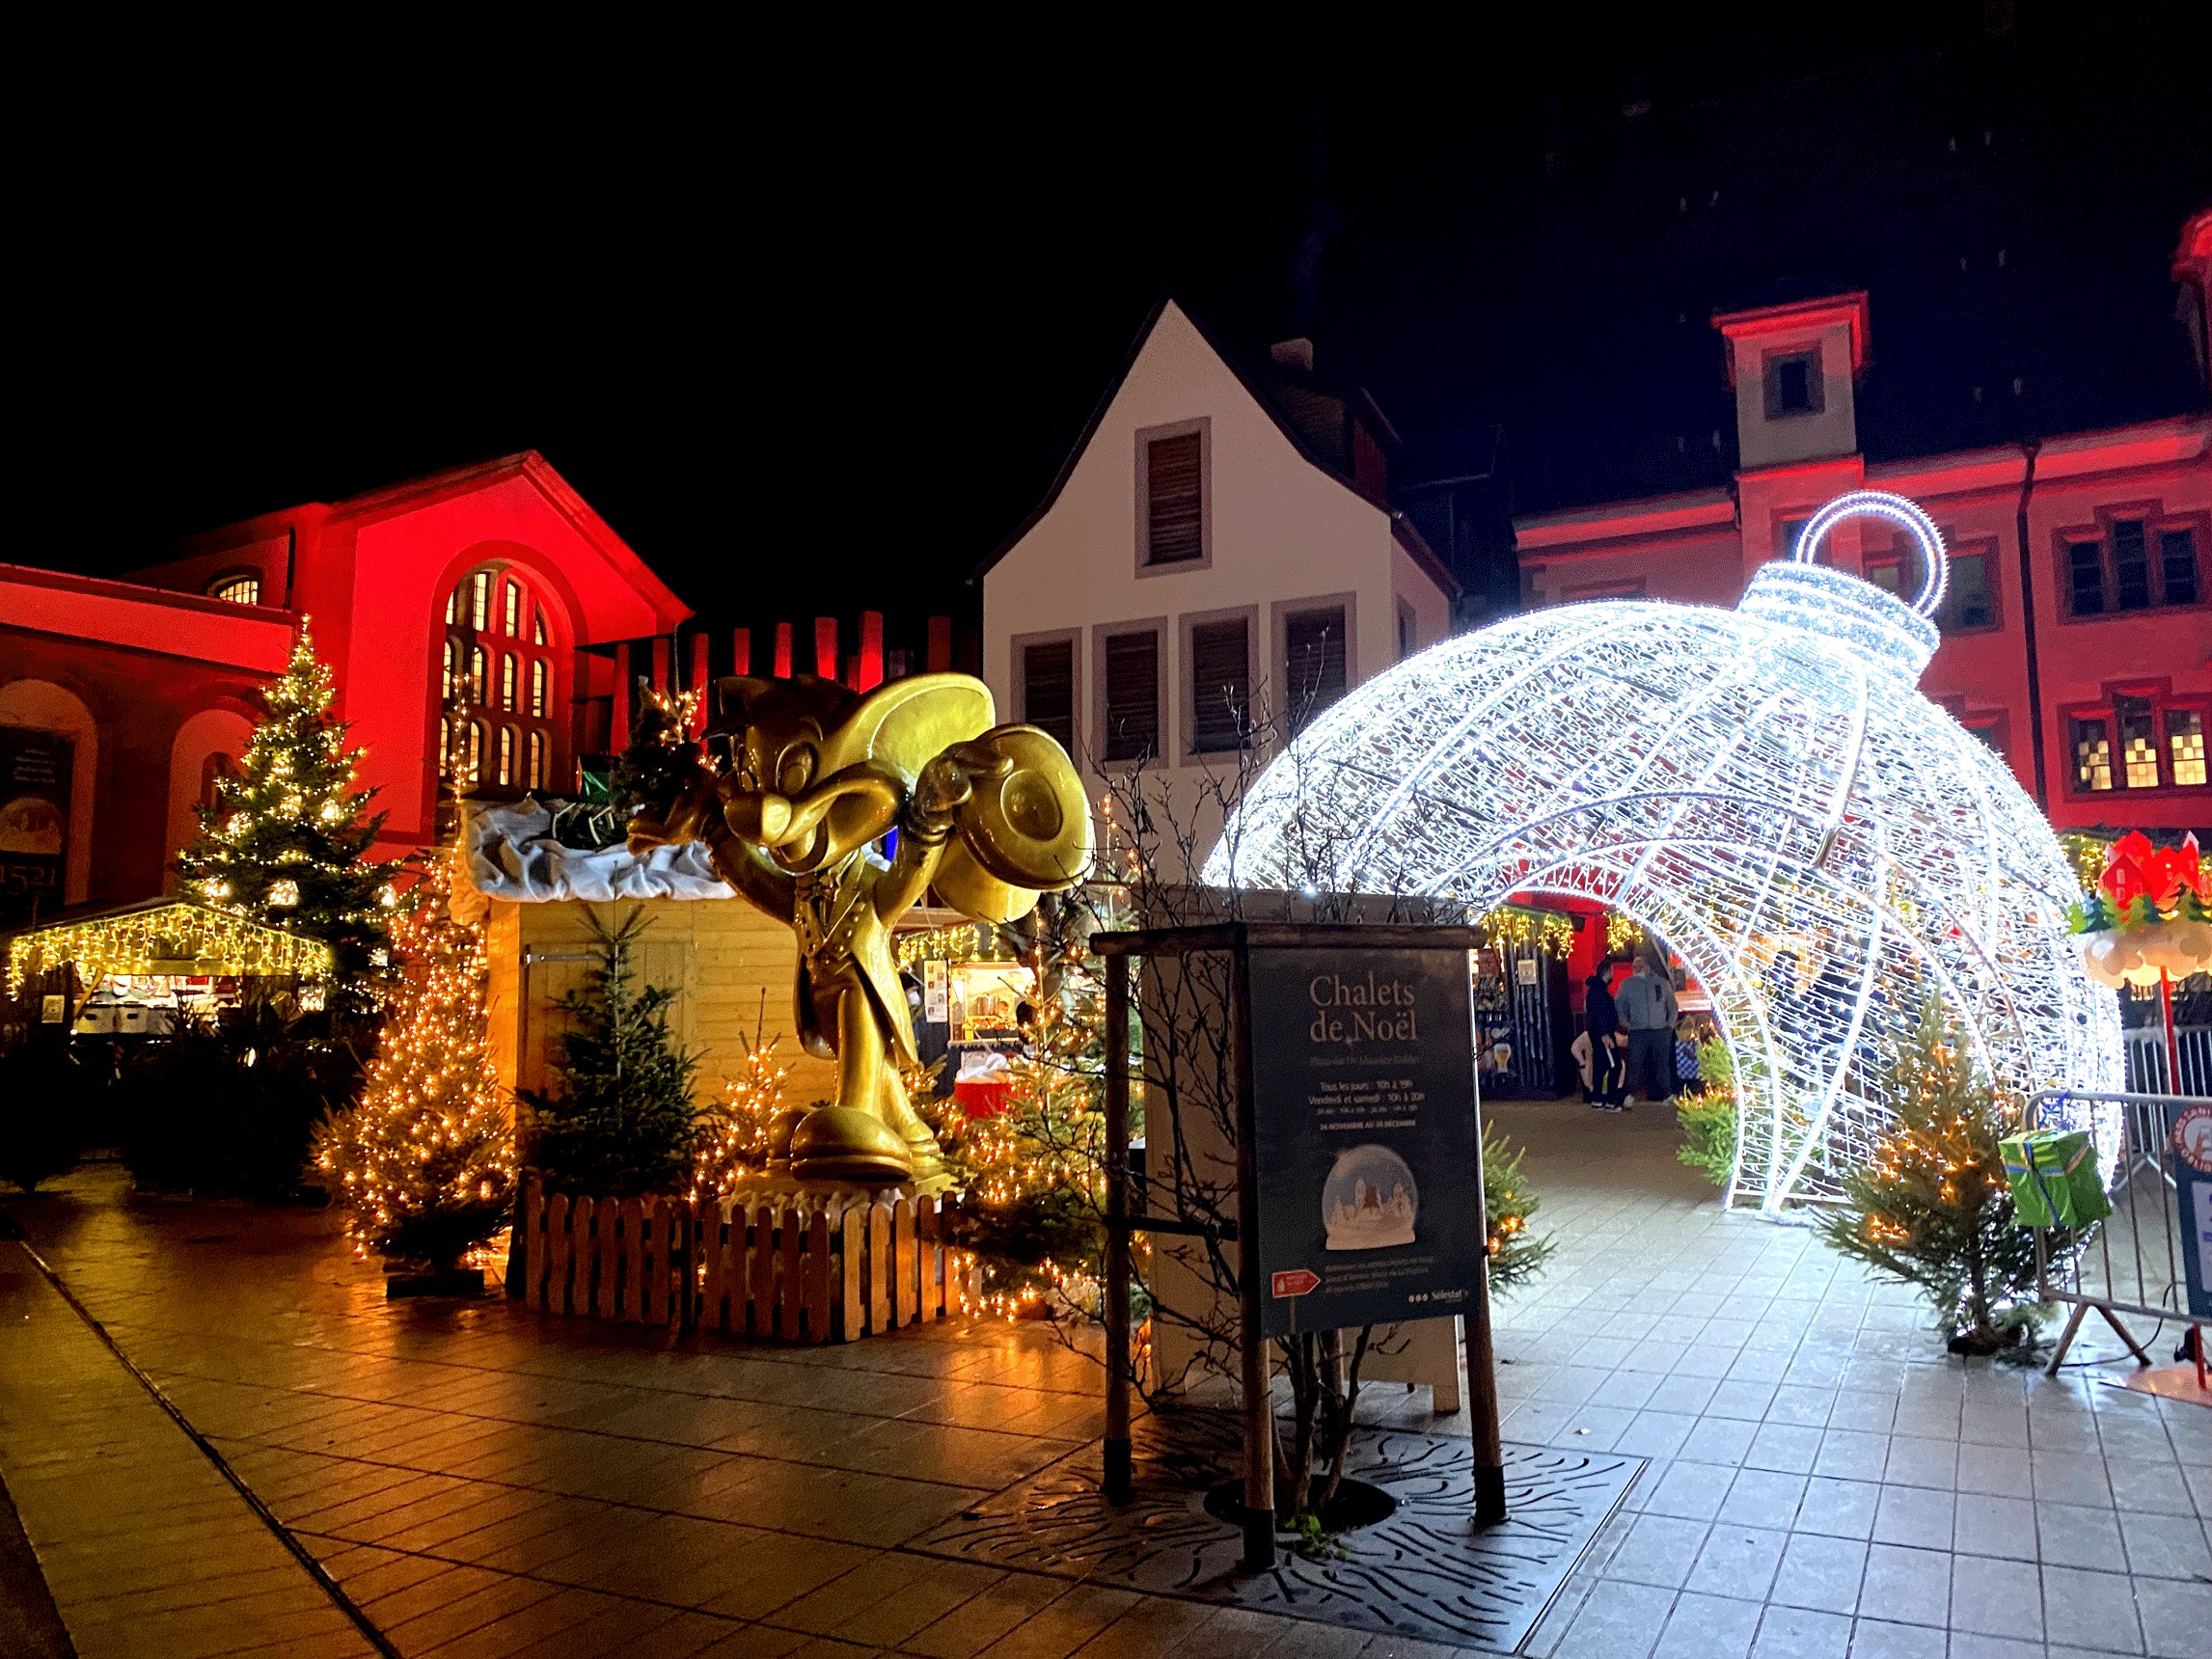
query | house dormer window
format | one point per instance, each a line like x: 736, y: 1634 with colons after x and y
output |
x: 237, y: 590
x: 1793, y: 384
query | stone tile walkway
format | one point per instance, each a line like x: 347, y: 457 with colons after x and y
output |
x: 1823, y: 1479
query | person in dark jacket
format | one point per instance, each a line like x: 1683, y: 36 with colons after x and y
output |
x: 1647, y: 1009
x: 1602, y: 1020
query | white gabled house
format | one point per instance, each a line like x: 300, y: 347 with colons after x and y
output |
x: 1218, y: 547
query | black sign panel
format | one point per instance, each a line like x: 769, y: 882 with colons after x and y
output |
x: 1363, y: 1075
x: 34, y: 823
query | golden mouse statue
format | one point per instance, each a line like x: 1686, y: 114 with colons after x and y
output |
x: 834, y: 811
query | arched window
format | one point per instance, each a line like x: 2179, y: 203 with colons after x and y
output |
x: 237, y: 590
x: 212, y: 771
x: 518, y: 677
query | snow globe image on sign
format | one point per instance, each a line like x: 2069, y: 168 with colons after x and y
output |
x: 1369, y: 1200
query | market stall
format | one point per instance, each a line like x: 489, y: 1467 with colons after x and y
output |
x: 130, y: 971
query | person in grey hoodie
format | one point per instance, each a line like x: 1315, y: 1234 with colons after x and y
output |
x: 1647, y: 1005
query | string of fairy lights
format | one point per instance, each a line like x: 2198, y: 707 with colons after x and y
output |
x: 432, y: 1135
x: 180, y: 939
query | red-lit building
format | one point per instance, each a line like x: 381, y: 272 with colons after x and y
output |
x: 2078, y: 626
x: 458, y: 613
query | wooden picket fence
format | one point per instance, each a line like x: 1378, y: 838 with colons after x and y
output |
x: 784, y: 1268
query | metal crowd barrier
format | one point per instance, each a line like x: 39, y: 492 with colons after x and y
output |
x: 2132, y: 1262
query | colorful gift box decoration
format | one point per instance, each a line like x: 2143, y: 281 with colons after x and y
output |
x: 2052, y: 1174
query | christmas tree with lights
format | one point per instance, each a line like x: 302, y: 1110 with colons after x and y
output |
x: 286, y: 842
x: 1932, y: 1208
x: 424, y: 1162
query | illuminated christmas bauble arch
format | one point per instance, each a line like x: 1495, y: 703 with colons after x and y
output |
x: 1763, y: 788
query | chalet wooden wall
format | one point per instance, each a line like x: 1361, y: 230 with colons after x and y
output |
x: 720, y: 955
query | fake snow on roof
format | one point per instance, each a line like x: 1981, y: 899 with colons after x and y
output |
x: 513, y: 853
x: 1767, y: 790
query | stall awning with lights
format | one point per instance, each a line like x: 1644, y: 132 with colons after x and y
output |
x: 174, y: 936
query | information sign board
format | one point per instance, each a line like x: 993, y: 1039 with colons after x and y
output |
x: 2189, y: 1141
x: 1365, y: 1135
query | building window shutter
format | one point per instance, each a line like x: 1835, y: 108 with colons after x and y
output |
x: 1221, y: 686
x: 1313, y: 662
x: 1174, y: 499
x: 1132, y: 696
x: 1048, y: 688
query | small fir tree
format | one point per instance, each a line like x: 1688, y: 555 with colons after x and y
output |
x: 1038, y: 1169
x: 425, y: 1160
x: 1932, y: 1208
x: 622, y: 1123
x: 285, y: 841
x: 1709, y: 1114
x: 1509, y: 1202
x: 734, y: 1132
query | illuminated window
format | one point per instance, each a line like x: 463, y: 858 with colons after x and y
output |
x: 538, y: 631
x: 537, y: 760
x: 1887, y: 576
x: 537, y: 688
x: 450, y: 672
x: 476, y: 673
x: 513, y: 617
x: 510, y: 671
x: 237, y: 590
x: 480, y: 600
x: 445, y: 747
x: 506, y: 756
x: 2092, y: 754
x: 2137, y: 746
x: 2185, y: 745
x: 453, y: 606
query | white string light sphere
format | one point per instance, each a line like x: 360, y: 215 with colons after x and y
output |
x: 1765, y: 789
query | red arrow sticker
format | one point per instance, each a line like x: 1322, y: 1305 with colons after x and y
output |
x: 1297, y: 1282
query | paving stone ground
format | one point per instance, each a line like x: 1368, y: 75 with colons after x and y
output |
x: 1823, y: 1479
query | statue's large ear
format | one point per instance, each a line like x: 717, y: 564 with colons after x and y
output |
x: 909, y: 722
x: 734, y: 694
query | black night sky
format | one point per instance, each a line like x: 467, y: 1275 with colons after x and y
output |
x: 774, y: 317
